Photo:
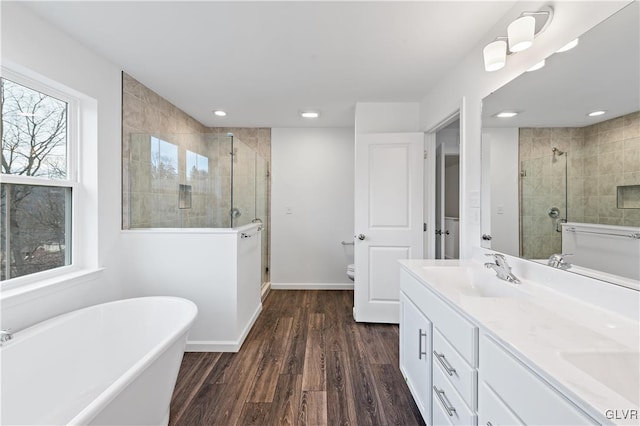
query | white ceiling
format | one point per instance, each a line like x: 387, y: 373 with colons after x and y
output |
x: 602, y: 72
x: 263, y: 62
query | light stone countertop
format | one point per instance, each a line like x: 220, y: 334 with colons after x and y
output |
x: 544, y: 328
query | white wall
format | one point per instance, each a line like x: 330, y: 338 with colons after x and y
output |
x: 312, y: 191
x: 500, y: 156
x: 45, y: 52
x: 387, y: 117
x: 466, y: 85
x: 214, y: 268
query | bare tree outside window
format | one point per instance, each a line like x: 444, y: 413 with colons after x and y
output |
x: 34, y: 144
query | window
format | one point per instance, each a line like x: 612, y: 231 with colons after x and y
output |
x: 38, y: 178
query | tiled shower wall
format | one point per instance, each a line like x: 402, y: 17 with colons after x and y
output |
x: 611, y: 158
x: 599, y: 158
x: 144, y: 112
x: 542, y: 186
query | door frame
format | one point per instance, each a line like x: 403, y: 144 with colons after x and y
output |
x: 430, y: 176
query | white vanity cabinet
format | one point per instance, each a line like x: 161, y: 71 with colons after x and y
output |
x: 511, y: 392
x: 439, y: 370
x: 415, y: 354
x: 459, y: 374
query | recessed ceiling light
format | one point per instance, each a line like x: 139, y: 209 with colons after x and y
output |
x: 220, y: 113
x: 537, y: 66
x: 506, y: 114
x: 596, y: 113
x: 310, y: 114
x: 568, y: 46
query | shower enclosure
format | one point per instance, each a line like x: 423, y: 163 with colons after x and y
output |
x: 543, y: 192
x: 194, y: 181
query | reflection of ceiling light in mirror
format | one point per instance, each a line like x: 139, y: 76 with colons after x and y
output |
x: 537, y: 66
x: 568, y: 46
x: 596, y: 113
x: 310, y: 114
x: 506, y: 114
x: 220, y: 113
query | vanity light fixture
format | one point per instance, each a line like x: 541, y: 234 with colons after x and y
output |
x: 506, y: 114
x: 520, y: 35
x: 537, y: 66
x: 220, y: 113
x: 568, y: 46
x: 495, y: 55
x: 309, y: 114
x: 597, y: 113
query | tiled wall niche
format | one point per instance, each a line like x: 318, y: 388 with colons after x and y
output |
x: 145, y: 113
x: 598, y: 159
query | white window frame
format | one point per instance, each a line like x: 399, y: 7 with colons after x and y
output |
x: 71, y: 181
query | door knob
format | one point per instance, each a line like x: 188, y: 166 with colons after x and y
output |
x: 438, y: 231
x: 361, y: 237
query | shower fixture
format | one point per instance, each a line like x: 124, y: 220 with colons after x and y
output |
x: 557, y: 151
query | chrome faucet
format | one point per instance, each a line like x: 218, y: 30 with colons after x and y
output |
x: 5, y: 335
x: 557, y: 260
x: 502, y: 268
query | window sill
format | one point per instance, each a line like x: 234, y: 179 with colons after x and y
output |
x: 40, y: 288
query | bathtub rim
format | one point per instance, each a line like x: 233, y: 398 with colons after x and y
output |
x: 92, y: 409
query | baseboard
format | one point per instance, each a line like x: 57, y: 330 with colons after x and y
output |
x: 311, y: 286
x: 223, y: 345
x: 266, y: 288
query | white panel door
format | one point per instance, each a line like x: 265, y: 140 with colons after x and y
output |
x: 388, y: 220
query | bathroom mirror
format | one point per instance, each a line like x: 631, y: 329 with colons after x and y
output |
x: 554, y: 163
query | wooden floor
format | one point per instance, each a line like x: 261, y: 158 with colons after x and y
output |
x: 305, y: 362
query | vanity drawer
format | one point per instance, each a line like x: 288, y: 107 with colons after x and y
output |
x: 492, y: 411
x: 523, y: 391
x: 461, y: 334
x: 449, y: 401
x: 462, y: 376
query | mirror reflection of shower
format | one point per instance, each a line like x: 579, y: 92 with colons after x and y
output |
x: 556, y: 151
x: 558, y: 219
x: 543, y: 184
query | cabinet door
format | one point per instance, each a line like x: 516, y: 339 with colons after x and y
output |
x: 415, y: 354
x: 523, y: 391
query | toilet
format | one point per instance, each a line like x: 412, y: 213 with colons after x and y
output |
x: 351, y: 271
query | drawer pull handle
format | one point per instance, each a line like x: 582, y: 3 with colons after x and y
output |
x: 443, y: 361
x: 421, y: 334
x: 444, y: 401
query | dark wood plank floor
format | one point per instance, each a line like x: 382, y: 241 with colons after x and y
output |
x: 305, y: 362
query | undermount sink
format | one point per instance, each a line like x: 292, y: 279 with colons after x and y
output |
x: 619, y: 371
x: 470, y: 282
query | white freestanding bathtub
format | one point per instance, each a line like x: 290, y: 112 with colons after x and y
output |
x: 114, y: 364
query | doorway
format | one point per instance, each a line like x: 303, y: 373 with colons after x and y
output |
x: 442, y: 191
